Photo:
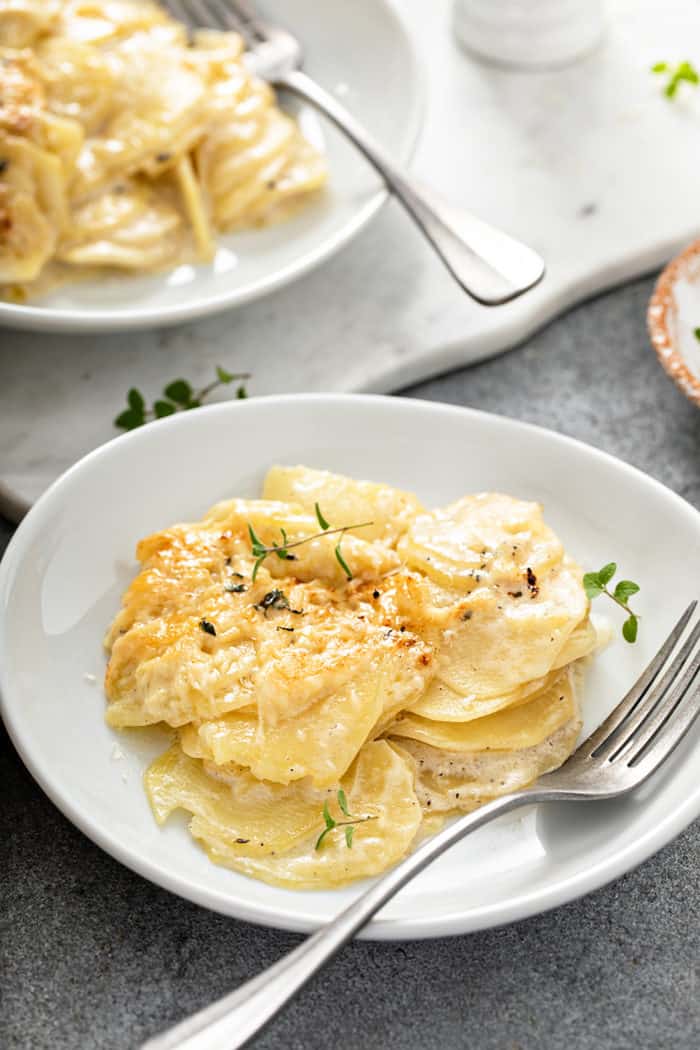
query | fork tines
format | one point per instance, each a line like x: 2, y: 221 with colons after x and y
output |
x: 218, y: 14
x: 659, y: 708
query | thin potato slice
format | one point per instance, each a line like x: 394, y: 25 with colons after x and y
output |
x: 322, y: 741
x: 345, y: 501
x: 448, y: 781
x: 515, y: 728
x: 379, y: 785
x: 231, y: 807
x: 487, y: 537
x: 443, y: 704
x: 506, y: 641
x: 582, y: 641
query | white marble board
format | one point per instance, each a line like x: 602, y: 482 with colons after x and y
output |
x: 589, y: 164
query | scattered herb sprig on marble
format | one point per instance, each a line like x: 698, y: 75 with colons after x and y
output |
x: 178, y: 396
x: 281, y: 550
x: 596, y: 583
x: 683, y: 72
x: 332, y: 824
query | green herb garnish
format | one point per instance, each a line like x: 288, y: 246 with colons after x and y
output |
x: 696, y: 333
x: 178, y: 396
x: 260, y: 551
x: 684, y: 71
x: 332, y: 824
x: 234, y: 588
x: 595, y: 583
x: 321, y: 520
x: 341, y: 560
x: 276, y: 600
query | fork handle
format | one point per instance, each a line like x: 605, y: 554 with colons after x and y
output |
x: 232, y: 1021
x: 489, y: 264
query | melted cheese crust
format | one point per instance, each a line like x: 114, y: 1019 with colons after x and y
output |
x: 439, y: 676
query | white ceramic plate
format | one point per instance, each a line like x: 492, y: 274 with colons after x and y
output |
x: 361, y: 52
x: 71, y: 558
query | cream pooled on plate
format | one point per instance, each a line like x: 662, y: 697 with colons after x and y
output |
x: 340, y: 664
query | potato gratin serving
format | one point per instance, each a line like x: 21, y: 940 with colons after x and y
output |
x: 343, y: 669
x: 124, y: 143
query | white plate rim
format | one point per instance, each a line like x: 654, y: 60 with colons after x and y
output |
x: 524, y: 905
x: 51, y: 319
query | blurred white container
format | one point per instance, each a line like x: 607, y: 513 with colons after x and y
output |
x: 529, y: 34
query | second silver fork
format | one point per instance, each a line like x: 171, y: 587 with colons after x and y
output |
x: 636, y: 738
x: 490, y: 265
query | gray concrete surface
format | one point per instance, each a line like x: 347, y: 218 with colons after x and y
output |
x: 93, y: 956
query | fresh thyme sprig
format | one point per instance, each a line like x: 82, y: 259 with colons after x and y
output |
x: 596, y: 583
x: 261, y: 552
x: 332, y: 824
x: 178, y: 396
x: 684, y: 71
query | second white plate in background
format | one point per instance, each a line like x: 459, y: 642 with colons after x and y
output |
x: 361, y: 52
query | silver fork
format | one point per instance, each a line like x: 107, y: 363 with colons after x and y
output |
x: 630, y: 745
x: 489, y: 264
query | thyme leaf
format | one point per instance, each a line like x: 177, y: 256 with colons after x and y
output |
x: 343, y: 802
x: 321, y: 520
x: 341, y: 560
x: 683, y: 72
x: 596, y: 583
x: 276, y: 599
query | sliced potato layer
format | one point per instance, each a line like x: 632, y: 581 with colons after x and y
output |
x: 444, y: 704
x: 447, y: 780
x: 320, y: 742
x: 514, y: 728
x: 232, y: 807
x: 270, y: 831
x: 379, y: 786
x: 344, y: 501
